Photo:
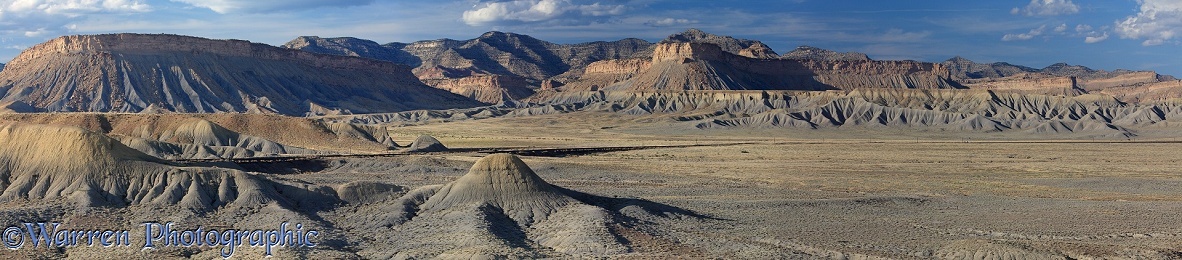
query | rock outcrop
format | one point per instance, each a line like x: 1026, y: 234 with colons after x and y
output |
x: 141, y: 72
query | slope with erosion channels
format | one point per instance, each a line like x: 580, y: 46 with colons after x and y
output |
x: 51, y: 163
x: 213, y: 136
x: 138, y: 72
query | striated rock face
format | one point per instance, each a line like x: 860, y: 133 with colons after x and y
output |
x: 140, y: 72
x: 489, y: 89
x: 1030, y: 83
x: 703, y: 66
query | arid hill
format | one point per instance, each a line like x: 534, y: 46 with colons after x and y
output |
x: 500, y: 209
x: 210, y: 136
x: 704, y: 66
x: 141, y: 72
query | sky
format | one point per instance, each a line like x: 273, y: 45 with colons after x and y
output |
x: 1101, y: 34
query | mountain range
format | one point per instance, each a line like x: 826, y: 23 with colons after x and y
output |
x: 497, y: 66
x: 314, y: 76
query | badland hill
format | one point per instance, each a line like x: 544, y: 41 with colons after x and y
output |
x: 151, y: 73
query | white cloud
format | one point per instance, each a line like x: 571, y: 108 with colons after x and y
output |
x: 1024, y: 36
x: 262, y: 6
x: 1095, y: 39
x: 1061, y: 28
x: 670, y: 22
x: 36, y: 33
x: 71, y: 7
x: 1082, y: 28
x: 1047, y: 8
x: 532, y: 11
x: 1157, y: 22
x: 39, y: 18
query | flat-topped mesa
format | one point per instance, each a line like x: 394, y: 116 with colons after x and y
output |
x: 680, y: 51
x: 152, y: 43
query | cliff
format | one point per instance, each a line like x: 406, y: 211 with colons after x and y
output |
x: 1028, y: 83
x: 141, y: 72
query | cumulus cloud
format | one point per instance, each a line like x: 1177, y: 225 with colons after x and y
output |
x: 1061, y: 28
x: 37, y: 18
x: 262, y: 6
x: 1024, y: 36
x: 1082, y: 28
x: 533, y: 11
x: 1047, y: 8
x: 1095, y: 39
x: 1158, y: 22
x: 670, y: 22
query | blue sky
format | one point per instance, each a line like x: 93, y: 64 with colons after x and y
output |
x: 1109, y: 34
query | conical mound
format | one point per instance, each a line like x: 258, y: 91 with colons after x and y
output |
x: 426, y: 143
x: 502, y: 181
